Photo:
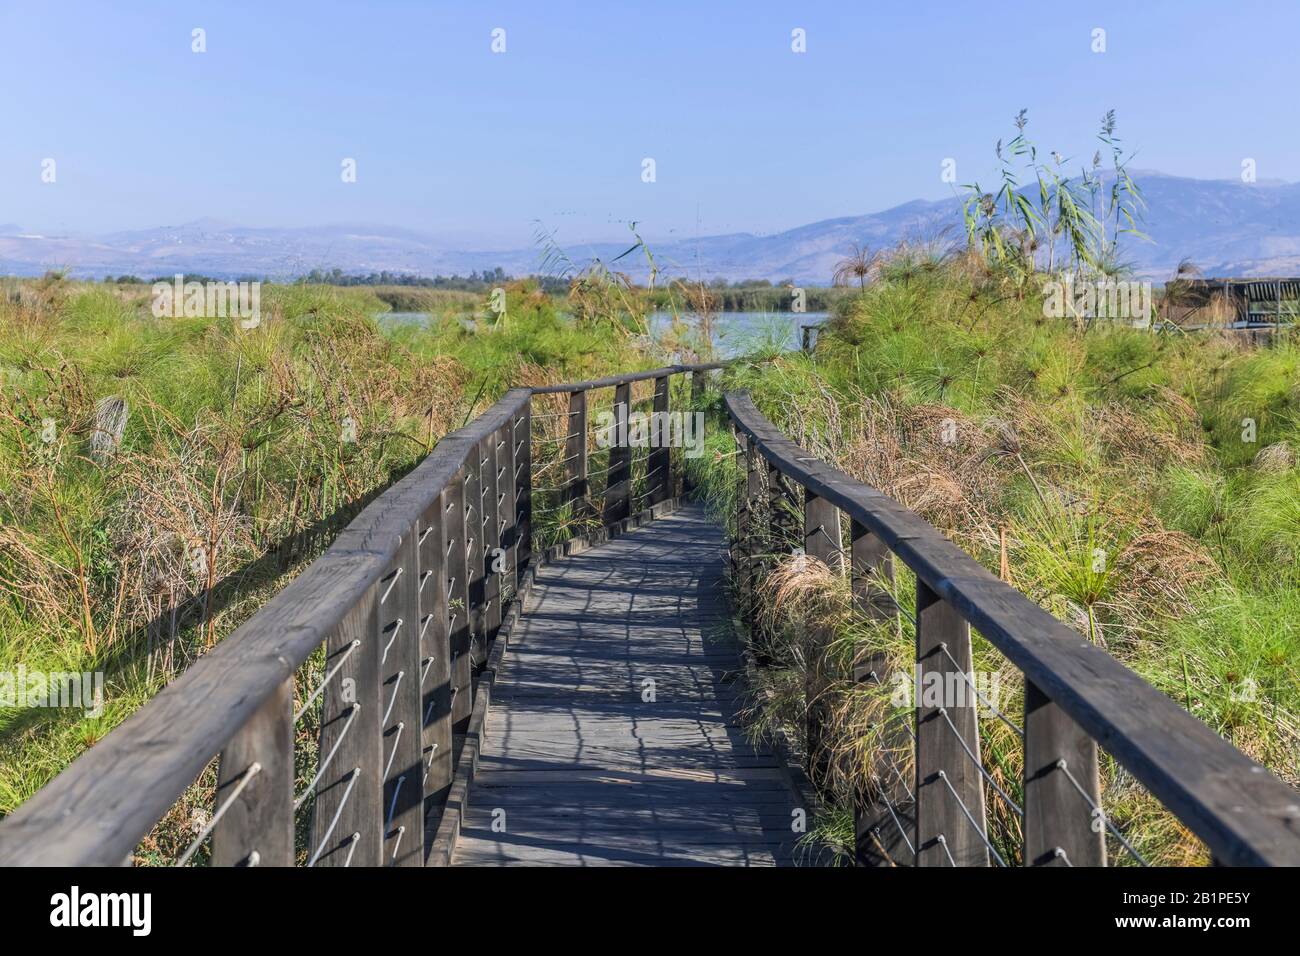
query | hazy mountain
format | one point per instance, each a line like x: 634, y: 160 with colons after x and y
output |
x: 1225, y: 227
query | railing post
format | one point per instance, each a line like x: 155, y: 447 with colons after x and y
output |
x: 476, y: 555
x: 659, y: 463
x: 950, y: 825
x: 523, y: 432
x: 435, y: 650
x: 575, y: 454
x: 744, y: 545
x: 257, y: 827
x: 401, y: 721
x: 878, y: 834
x: 1060, y: 830
x: 347, y: 819
x: 460, y: 623
x: 822, y: 539
x: 618, y: 490
x: 744, y: 520
x: 494, y: 448
x: 755, y: 480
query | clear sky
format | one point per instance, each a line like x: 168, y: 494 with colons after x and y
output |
x: 747, y: 135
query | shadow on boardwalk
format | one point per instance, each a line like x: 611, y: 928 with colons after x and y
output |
x: 613, y: 737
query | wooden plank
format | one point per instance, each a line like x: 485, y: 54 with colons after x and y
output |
x: 401, y: 721
x: 435, y: 651
x: 493, y: 500
x: 476, y: 553
x: 572, y: 736
x: 618, y: 491
x: 256, y: 826
x: 458, y: 602
x: 878, y: 825
x: 741, y: 546
x: 822, y: 540
x: 1061, y: 829
x: 575, y: 455
x: 950, y: 825
x: 628, y: 378
x: 754, y: 504
x: 523, y: 482
x: 659, y: 462
x: 698, y: 387
x: 1243, y: 813
x: 347, y: 817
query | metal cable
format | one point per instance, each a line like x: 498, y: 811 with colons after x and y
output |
x: 1105, y: 817
x: 974, y: 826
x: 326, y: 679
x: 253, y: 770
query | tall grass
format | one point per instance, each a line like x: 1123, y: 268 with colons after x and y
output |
x: 244, y: 452
x: 1140, y: 487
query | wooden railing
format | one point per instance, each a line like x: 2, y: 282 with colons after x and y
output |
x: 1077, y: 697
x: 405, y: 604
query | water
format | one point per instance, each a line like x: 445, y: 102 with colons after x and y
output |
x: 738, y: 333
x: 735, y: 333
x: 403, y: 318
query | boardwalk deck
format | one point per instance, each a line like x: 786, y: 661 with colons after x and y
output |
x: 582, y: 764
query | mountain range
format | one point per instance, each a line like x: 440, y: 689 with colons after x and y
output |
x: 1225, y: 227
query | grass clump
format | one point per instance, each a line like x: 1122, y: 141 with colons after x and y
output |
x: 1140, y: 486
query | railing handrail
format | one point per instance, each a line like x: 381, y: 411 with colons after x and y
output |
x: 630, y: 377
x: 1244, y: 814
x: 138, y: 770
x: 143, y: 765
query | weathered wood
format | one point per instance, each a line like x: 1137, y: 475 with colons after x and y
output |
x: 584, y: 762
x: 134, y: 775
x: 821, y: 540
x: 878, y: 805
x: 458, y: 606
x: 347, y: 817
x: 629, y: 378
x: 1242, y: 812
x: 950, y: 823
x: 740, y: 546
x: 435, y: 651
x: 493, y: 556
x: 256, y: 828
x: 476, y: 556
x: 1060, y: 828
x: 755, y: 544
x: 618, y: 490
x: 524, y: 492
x: 659, y: 462
x: 575, y: 455
x: 402, y: 718
x: 508, y: 489
x: 872, y: 572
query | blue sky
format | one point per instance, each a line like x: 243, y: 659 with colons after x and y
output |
x: 453, y: 139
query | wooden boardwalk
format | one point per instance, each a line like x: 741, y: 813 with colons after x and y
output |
x: 613, y: 736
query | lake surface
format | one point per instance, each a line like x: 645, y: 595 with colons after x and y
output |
x: 735, y: 333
